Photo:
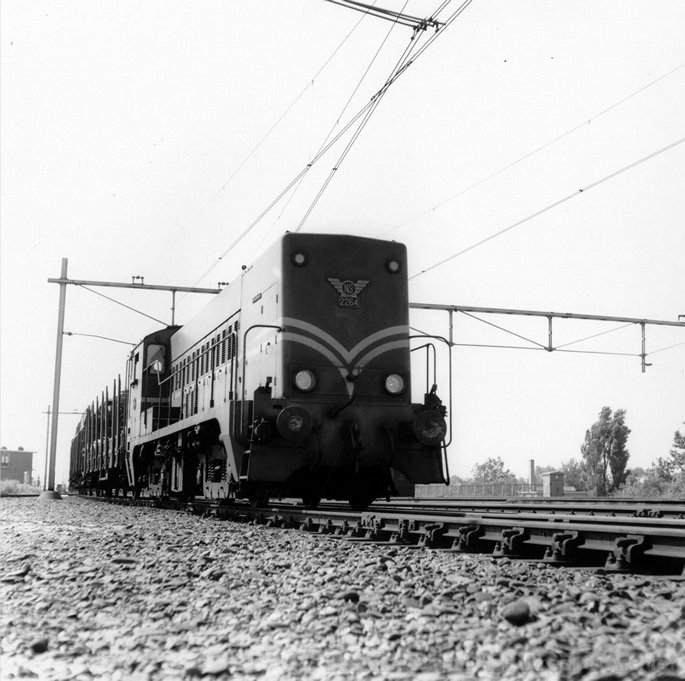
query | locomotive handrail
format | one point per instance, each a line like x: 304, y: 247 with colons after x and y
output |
x: 435, y: 362
x: 449, y: 382
x: 446, y: 476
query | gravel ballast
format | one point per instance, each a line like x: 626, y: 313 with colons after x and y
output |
x: 96, y: 591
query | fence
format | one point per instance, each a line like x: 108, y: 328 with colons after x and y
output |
x: 479, y: 490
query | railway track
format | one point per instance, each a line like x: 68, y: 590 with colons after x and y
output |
x: 630, y: 543
x: 655, y: 508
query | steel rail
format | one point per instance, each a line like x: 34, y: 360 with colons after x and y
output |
x: 674, y: 508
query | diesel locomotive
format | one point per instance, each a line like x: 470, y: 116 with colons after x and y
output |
x: 295, y: 380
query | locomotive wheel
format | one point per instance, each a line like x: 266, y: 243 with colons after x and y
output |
x: 360, y: 500
x: 258, y: 496
x: 311, y: 500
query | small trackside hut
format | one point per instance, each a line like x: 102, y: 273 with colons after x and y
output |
x: 295, y: 380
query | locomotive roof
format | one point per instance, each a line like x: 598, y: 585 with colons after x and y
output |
x: 225, y: 304
x: 228, y: 301
x: 218, y: 310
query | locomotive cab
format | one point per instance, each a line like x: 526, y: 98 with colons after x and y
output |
x: 149, y: 409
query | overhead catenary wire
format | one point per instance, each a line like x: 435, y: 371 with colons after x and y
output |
x: 501, y: 328
x: 575, y: 194
x: 375, y: 102
x: 118, y: 302
x: 337, y: 122
x: 282, y: 116
x: 536, y: 346
x: 668, y: 347
x: 404, y: 62
x: 528, y: 155
x: 358, y: 85
x: 300, y: 177
x: 529, y: 347
x: 340, y: 134
x: 594, y: 335
x: 389, y: 15
x: 560, y: 348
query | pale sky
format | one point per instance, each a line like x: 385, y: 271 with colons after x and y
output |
x: 144, y: 138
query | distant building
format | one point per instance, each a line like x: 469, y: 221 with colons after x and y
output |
x: 553, y: 484
x: 16, y: 464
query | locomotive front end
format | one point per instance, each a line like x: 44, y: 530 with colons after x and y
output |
x: 336, y: 419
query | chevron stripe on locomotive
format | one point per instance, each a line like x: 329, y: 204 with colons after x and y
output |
x: 293, y: 382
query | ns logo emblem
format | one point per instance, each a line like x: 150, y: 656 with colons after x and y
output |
x: 348, y: 291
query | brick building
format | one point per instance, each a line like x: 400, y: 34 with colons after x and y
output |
x: 16, y: 464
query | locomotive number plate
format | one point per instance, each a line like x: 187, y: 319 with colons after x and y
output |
x: 348, y: 291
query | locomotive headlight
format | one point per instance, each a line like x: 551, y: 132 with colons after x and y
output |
x: 305, y: 380
x: 393, y: 266
x: 299, y: 258
x: 394, y: 384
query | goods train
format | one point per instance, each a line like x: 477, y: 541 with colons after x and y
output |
x: 294, y: 381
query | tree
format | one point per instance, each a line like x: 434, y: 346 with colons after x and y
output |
x: 672, y: 467
x: 678, y: 455
x: 665, y: 478
x: 492, y: 472
x: 575, y: 474
x: 604, y: 451
x: 541, y: 470
x: 678, y: 451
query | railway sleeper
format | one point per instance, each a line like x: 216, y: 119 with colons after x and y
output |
x: 371, y: 529
x: 628, y: 552
x: 432, y: 535
x: 564, y: 548
x: 401, y: 536
x: 511, y: 543
x: 326, y: 527
x: 352, y: 531
x: 467, y: 539
x: 343, y: 530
